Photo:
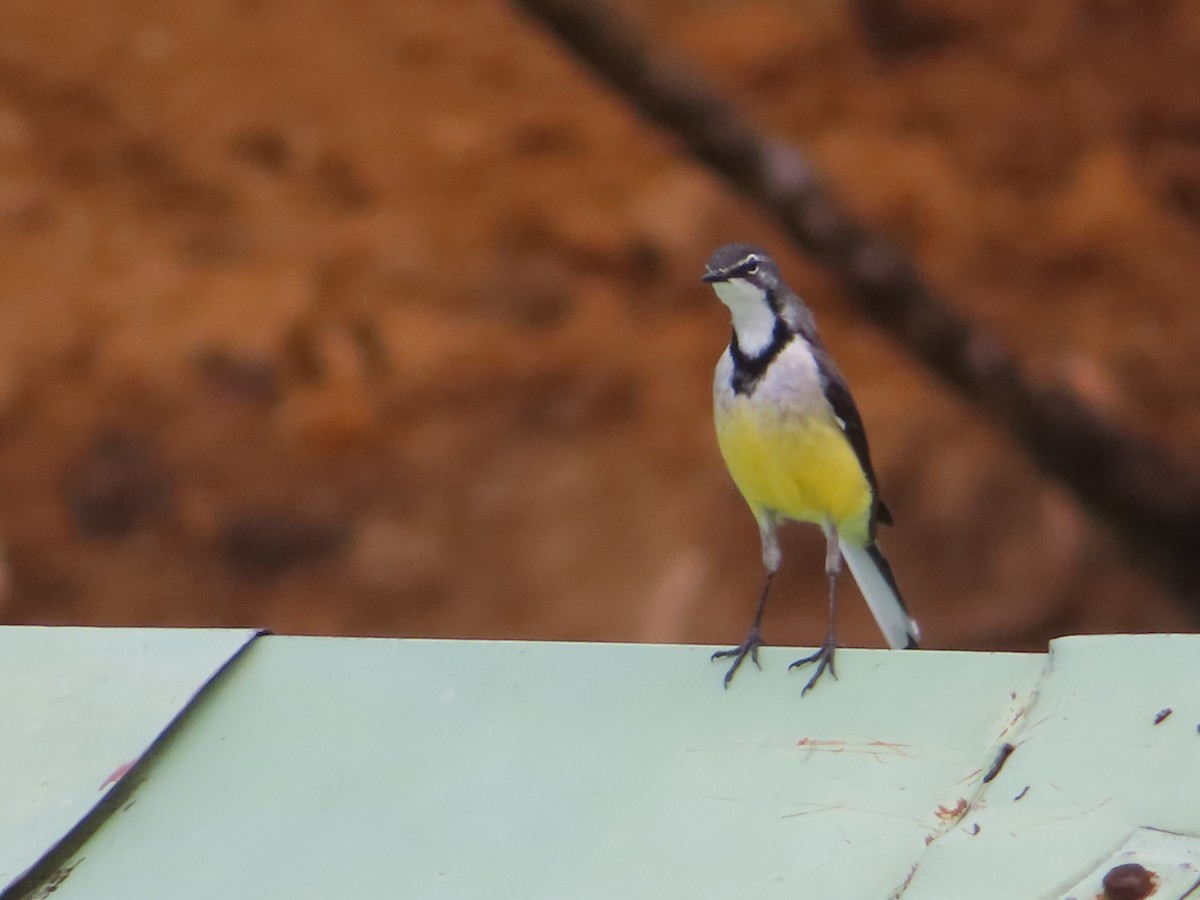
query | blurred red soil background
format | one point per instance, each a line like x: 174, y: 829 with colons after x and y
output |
x: 383, y: 318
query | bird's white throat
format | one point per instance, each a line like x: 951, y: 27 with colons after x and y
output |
x: 753, y: 318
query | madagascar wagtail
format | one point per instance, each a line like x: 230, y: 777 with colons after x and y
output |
x: 794, y: 443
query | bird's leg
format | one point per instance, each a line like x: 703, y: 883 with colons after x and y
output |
x: 824, y: 656
x: 748, y: 647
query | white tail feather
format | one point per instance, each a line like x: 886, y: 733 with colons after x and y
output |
x: 898, y: 627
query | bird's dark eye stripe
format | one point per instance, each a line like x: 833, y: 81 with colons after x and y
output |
x: 747, y: 265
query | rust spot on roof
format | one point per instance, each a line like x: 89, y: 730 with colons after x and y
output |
x: 957, y: 811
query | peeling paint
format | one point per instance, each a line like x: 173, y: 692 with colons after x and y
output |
x: 117, y: 774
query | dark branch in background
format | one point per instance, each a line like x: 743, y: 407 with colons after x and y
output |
x: 1152, y: 501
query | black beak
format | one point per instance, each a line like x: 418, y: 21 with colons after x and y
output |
x: 711, y: 276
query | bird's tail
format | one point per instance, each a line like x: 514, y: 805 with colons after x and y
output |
x: 878, y: 586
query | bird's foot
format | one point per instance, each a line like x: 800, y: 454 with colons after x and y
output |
x: 748, y: 647
x: 824, y: 660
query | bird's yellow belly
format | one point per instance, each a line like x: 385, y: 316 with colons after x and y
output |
x: 803, y: 470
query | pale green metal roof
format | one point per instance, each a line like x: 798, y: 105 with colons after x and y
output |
x: 320, y: 767
x: 80, y: 706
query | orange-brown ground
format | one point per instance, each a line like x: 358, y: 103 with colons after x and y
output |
x: 383, y: 318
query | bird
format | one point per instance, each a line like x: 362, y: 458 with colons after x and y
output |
x: 794, y: 443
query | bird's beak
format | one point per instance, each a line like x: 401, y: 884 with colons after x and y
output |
x: 713, y: 275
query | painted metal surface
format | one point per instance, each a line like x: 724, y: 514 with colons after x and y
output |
x: 1169, y: 864
x: 1108, y: 744
x: 335, y: 768
x: 78, y: 708
x: 318, y: 768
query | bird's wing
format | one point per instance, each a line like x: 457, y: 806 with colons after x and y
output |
x: 837, y: 394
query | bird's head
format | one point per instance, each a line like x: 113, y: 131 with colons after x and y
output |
x: 746, y: 280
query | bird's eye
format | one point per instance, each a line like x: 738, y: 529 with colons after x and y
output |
x: 751, y: 265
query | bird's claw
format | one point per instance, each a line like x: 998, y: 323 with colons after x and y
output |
x: 748, y: 647
x: 824, y: 660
